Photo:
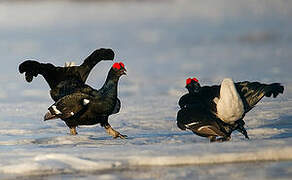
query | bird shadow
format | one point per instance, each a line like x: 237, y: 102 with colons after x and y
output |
x: 144, y: 135
x: 155, y: 135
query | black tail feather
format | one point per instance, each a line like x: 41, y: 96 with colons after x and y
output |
x: 93, y: 59
x: 252, y: 92
x: 274, y: 89
x: 54, y: 75
x: 240, y: 128
x: 30, y: 68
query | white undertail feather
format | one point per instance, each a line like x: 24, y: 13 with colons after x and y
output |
x: 85, y: 101
x: 70, y: 64
x: 204, y: 127
x: 229, y: 105
x: 191, y: 124
x: 56, y: 110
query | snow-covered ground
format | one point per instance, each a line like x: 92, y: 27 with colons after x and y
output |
x: 161, y: 43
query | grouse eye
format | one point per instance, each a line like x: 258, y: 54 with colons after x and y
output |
x: 188, y: 81
x: 117, y: 66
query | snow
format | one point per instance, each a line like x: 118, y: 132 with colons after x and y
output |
x: 203, y: 39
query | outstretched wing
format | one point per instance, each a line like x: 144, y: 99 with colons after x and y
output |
x: 69, y: 106
x: 33, y: 69
x: 54, y: 75
x: 252, y: 92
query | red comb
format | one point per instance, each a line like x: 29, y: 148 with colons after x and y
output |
x: 122, y: 65
x: 195, y: 79
x: 117, y: 66
x: 188, y: 81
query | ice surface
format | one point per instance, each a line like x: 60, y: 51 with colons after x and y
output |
x: 161, y: 44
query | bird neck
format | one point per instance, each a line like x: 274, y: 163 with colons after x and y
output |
x: 192, y: 91
x: 110, y: 86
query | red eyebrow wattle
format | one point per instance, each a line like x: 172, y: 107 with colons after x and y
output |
x: 122, y: 65
x: 195, y: 79
x: 117, y: 66
x: 188, y: 81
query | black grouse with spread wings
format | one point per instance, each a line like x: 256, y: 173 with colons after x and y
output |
x: 216, y: 111
x: 89, y: 106
x: 64, y: 80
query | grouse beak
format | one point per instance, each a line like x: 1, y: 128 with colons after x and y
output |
x: 196, y: 89
x: 193, y: 88
x: 124, y: 72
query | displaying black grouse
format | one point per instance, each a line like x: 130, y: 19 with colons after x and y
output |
x: 64, y: 80
x: 89, y: 106
x: 216, y: 111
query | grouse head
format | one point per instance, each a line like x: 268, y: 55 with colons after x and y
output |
x: 193, y: 85
x: 118, y: 69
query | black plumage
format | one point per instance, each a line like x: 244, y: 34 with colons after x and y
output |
x: 64, y: 80
x: 199, y: 109
x: 89, y: 106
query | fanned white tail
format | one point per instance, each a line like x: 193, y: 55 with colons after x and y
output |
x: 229, y: 105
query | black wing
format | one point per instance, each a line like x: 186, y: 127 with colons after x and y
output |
x: 200, y: 122
x: 92, y: 60
x: 194, y: 115
x: 54, y: 75
x: 203, y: 123
x: 73, y: 105
x: 252, y: 92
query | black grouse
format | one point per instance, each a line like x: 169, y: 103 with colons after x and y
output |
x: 216, y: 111
x: 64, y: 80
x: 88, y: 106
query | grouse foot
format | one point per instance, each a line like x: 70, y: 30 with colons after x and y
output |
x: 73, y: 131
x: 115, y: 134
x: 222, y: 139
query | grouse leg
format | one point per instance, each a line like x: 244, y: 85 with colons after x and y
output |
x: 115, y: 134
x: 240, y: 128
x: 212, y: 139
x: 223, y: 139
x: 73, y: 130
